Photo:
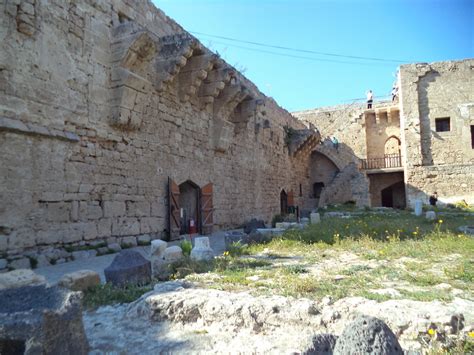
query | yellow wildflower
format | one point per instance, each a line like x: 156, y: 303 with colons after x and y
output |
x: 471, y: 334
x: 431, y: 331
x: 440, y: 221
x: 226, y: 253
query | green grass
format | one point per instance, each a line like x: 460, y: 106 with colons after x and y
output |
x: 108, y: 294
x: 425, y: 254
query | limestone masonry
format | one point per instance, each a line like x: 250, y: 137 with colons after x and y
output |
x: 402, y: 150
x: 116, y: 123
x: 118, y: 127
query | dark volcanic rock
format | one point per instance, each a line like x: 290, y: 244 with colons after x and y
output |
x: 129, y: 267
x: 323, y: 344
x: 367, y: 335
x: 253, y: 225
x: 41, y: 320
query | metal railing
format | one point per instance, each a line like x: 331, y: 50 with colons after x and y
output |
x: 387, y: 161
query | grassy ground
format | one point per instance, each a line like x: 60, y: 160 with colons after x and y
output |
x: 377, y: 256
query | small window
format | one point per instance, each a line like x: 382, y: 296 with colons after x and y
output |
x: 472, y: 137
x: 443, y: 124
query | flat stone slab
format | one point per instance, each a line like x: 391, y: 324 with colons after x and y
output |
x: 42, y: 320
x: 20, y: 278
x: 128, y: 267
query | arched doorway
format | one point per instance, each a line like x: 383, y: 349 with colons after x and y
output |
x: 317, y: 189
x: 189, y: 205
x: 392, y: 145
x: 283, y: 202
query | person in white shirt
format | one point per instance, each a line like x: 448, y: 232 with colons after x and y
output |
x: 370, y: 99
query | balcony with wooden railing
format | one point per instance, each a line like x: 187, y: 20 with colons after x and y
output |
x: 388, y: 161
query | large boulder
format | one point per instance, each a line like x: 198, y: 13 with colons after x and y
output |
x: 41, y: 320
x: 81, y: 280
x: 20, y: 278
x: 367, y: 335
x: 253, y: 225
x: 128, y: 267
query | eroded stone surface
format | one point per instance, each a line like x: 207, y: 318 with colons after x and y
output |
x: 20, y: 278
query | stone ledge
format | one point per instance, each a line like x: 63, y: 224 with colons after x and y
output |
x: 12, y: 125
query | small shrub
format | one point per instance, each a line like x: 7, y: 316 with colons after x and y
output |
x: 295, y: 269
x: 186, y: 246
x: 237, y: 249
x: 277, y: 219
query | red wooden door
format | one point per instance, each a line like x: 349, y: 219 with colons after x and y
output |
x: 173, y: 209
x: 207, y: 209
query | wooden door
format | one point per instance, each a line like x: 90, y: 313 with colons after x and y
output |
x: 207, y: 209
x: 173, y: 210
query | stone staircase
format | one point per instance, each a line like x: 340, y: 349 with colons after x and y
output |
x: 348, y: 185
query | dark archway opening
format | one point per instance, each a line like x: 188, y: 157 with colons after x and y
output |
x: 283, y: 202
x: 189, y: 205
x: 394, y: 196
x: 12, y: 347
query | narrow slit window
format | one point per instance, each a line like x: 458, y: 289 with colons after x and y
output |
x: 443, y: 124
x: 472, y: 137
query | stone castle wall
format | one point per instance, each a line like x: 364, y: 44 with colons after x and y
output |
x: 438, y: 161
x: 101, y: 103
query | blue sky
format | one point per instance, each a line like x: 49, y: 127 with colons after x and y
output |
x: 402, y: 30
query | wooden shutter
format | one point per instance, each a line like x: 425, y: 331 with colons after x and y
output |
x: 173, y: 209
x: 207, y: 209
x: 291, y: 199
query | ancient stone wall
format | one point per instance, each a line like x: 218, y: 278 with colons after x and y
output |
x: 441, y: 161
x: 101, y: 103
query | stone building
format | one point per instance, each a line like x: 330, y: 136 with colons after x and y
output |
x: 400, y: 151
x: 117, y: 126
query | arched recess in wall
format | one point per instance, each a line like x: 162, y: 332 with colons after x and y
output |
x: 322, y: 169
x: 392, y: 145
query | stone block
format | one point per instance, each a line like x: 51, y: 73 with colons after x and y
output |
x: 314, y: 218
x: 418, y: 207
x: 81, y: 280
x: 322, y: 344
x: 252, y: 225
x: 84, y: 254
x: 3, y: 263
x: 104, y: 227
x: 202, y: 249
x: 115, y: 247
x: 128, y: 267
x: 128, y: 242
x: 150, y: 224
x: 158, y: 248
x: 114, y: 208
x: 138, y: 209
x: 90, y: 231
x: 42, y: 320
x: 173, y: 254
x: 20, y: 278
x: 125, y: 226
x: 430, y: 215
x: 143, y: 239
x: 22, y: 238
x: 22, y: 263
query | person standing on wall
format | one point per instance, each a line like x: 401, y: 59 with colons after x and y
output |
x: 370, y: 99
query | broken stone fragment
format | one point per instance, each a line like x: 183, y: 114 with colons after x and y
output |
x: 81, y: 280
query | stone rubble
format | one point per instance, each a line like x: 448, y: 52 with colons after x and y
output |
x: 206, y: 320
